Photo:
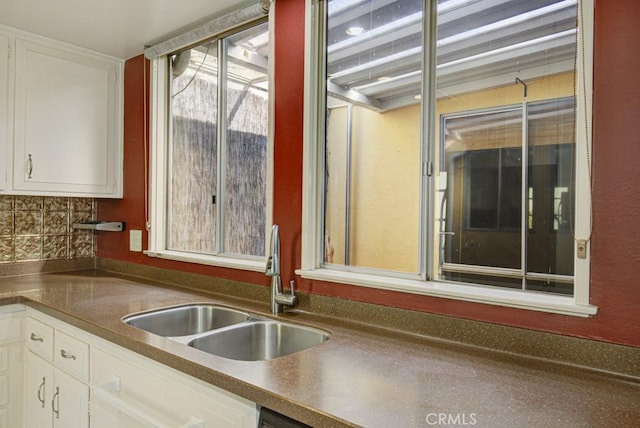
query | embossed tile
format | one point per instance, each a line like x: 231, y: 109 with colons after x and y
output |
x: 56, y: 222
x: 28, y: 247
x: 82, y: 204
x: 56, y: 204
x: 6, y: 223
x: 80, y: 216
x: 6, y: 249
x: 28, y: 222
x: 82, y: 244
x: 28, y: 203
x: 55, y: 247
x: 37, y: 227
x: 6, y: 203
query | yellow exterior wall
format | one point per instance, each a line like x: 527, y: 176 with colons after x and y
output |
x: 385, y: 189
x: 336, y: 191
x: 540, y: 89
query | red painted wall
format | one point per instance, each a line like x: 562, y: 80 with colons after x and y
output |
x: 615, y: 252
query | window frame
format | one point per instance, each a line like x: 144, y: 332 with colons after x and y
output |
x: 159, y: 155
x: 423, y: 284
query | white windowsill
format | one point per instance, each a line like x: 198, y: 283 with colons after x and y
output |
x: 564, y: 305
x: 226, y: 262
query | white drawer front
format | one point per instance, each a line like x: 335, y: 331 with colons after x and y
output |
x: 39, y: 338
x: 72, y: 356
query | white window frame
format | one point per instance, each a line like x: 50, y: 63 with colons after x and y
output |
x: 312, y: 228
x: 158, y: 170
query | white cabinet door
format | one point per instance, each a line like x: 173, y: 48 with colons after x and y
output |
x: 67, y: 116
x: 11, y: 384
x: 70, y: 402
x: 53, y: 398
x: 5, y: 120
x: 38, y: 392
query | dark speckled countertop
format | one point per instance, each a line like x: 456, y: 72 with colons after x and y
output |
x: 363, y: 376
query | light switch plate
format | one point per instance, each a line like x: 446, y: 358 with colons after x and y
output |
x: 135, y: 240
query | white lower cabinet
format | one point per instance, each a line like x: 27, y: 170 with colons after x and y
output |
x: 131, y: 391
x: 57, y: 374
x: 11, y: 365
x: 53, y: 398
x: 75, y: 379
x: 38, y: 380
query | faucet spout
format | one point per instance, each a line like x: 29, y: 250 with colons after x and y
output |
x: 273, y: 261
x: 279, y: 299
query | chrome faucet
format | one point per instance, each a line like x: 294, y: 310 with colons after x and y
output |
x: 279, y: 299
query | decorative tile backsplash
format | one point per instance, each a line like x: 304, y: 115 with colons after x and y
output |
x: 39, y: 228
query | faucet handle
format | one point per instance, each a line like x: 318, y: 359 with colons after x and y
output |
x: 286, y: 299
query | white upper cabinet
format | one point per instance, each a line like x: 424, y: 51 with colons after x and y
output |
x: 68, y: 108
x: 5, y: 120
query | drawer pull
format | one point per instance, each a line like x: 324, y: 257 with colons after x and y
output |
x: 64, y: 354
x: 41, y: 396
x: 36, y: 338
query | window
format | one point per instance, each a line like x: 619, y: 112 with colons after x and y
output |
x: 210, y: 149
x: 483, y: 224
x: 449, y: 152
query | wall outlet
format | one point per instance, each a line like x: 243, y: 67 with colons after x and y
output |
x: 135, y: 240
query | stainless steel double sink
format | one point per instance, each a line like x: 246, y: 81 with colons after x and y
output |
x: 227, y: 332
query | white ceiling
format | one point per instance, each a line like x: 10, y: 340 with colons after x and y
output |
x: 120, y: 28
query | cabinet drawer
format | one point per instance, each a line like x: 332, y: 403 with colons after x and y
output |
x: 71, y: 355
x: 40, y: 338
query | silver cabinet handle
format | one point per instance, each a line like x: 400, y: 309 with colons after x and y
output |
x: 36, y: 338
x: 41, y: 396
x: 30, y: 165
x: 64, y: 354
x: 56, y: 398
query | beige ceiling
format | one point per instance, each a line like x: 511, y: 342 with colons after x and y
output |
x: 120, y: 28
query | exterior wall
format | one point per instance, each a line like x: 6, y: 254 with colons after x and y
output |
x: 615, y: 255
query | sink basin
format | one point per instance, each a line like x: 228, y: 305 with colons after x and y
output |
x: 227, y: 332
x: 259, y: 340
x: 186, y: 320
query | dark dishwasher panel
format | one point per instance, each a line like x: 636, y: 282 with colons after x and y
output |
x: 271, y: 419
